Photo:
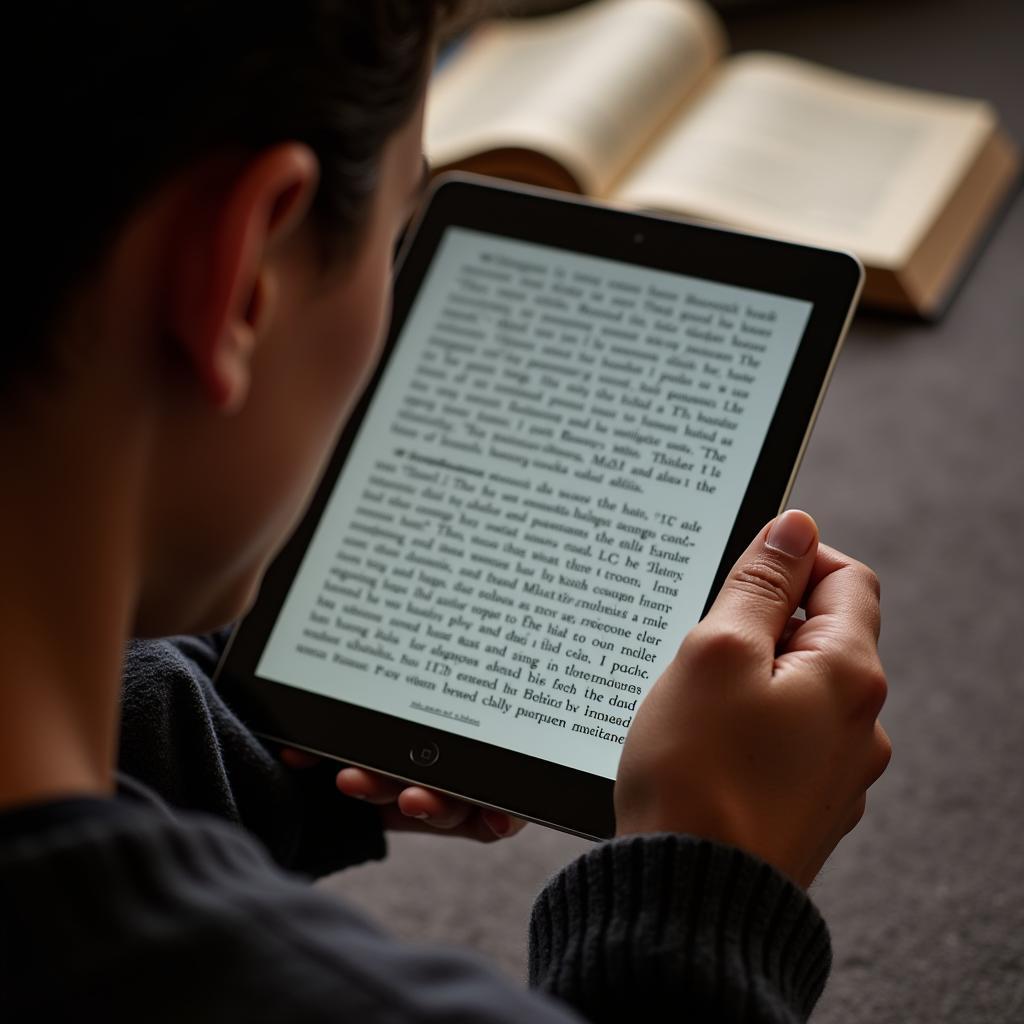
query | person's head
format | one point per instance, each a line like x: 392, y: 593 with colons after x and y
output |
x: 215, y: 190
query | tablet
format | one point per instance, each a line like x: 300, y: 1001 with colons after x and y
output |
x: 581, y: 418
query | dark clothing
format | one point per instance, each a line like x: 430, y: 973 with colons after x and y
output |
x: 179, y: 738
x: 137, y: 908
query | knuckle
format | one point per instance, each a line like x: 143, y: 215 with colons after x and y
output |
x: 708, y: 646
x: 883, y: 752
x: 874, y: 618
x: 860, y: 676
x: 870, y: 579
x: 763, y: 580
x: 840, y: 664
x: 873, y: 689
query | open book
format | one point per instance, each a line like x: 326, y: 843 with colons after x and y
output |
x: 631, y: 101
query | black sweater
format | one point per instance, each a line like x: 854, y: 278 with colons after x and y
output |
x: 157, y: 909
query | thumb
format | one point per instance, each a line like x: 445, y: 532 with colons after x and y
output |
x: 765, y: 586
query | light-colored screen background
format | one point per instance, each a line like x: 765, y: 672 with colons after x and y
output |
x: 531, y: 516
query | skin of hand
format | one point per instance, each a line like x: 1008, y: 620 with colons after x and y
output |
x: 416, y: 808
x: 763, y: 731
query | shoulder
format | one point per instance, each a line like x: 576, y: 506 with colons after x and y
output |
x: 155, y: 664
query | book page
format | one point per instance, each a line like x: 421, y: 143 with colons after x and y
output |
x: 791, y: 149
x: 532, y: 513
x: 587, y: 87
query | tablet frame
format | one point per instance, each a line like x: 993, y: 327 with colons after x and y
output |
x: 483, y: 773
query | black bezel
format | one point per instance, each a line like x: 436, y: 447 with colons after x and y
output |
x: 572, y: 800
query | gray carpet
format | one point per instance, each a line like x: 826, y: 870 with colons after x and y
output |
x: 917, y: 467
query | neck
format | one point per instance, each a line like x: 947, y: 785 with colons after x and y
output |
x: 67, y: 593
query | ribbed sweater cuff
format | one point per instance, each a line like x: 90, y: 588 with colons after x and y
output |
x: 669, y: 927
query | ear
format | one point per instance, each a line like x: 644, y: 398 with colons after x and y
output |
x: 223, y: 282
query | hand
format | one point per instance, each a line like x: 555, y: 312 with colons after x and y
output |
x: 415, y: 808
x: 763, y: 731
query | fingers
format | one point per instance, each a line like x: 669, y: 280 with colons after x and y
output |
x: 451, y: 815
x: 847, y: 589
x: 369, y: 786
x: 413, y: 807
x: 501, y: 824
x: 416, y: 802
x: 765, y: 586
x: 482, y: 826
x: 883, y: 753
x: 298, y: 758
x: 434, y: 808
x: 486, y: 826
x: 843, y: 612
x: 788, y: 630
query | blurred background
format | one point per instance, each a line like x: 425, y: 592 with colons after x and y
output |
x: 916, y: 467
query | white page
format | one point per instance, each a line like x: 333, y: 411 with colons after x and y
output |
x: 531, y: 516
x: 781, y: 146
x: 588, y: 86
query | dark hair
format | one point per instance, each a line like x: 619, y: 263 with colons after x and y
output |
x: 118, y: 96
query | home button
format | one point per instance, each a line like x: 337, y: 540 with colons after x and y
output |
x: 424, y: 754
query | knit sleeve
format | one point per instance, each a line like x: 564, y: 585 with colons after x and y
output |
x: 669, y: 927
x: 180, y: 738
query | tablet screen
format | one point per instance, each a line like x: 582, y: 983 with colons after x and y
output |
x: 533, y: 511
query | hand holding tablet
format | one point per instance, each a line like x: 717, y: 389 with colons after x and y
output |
x: 407, y: 807
x: 763, y: 733
x: 581, y: 418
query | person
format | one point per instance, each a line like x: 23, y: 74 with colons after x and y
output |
x: 209, y: 201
